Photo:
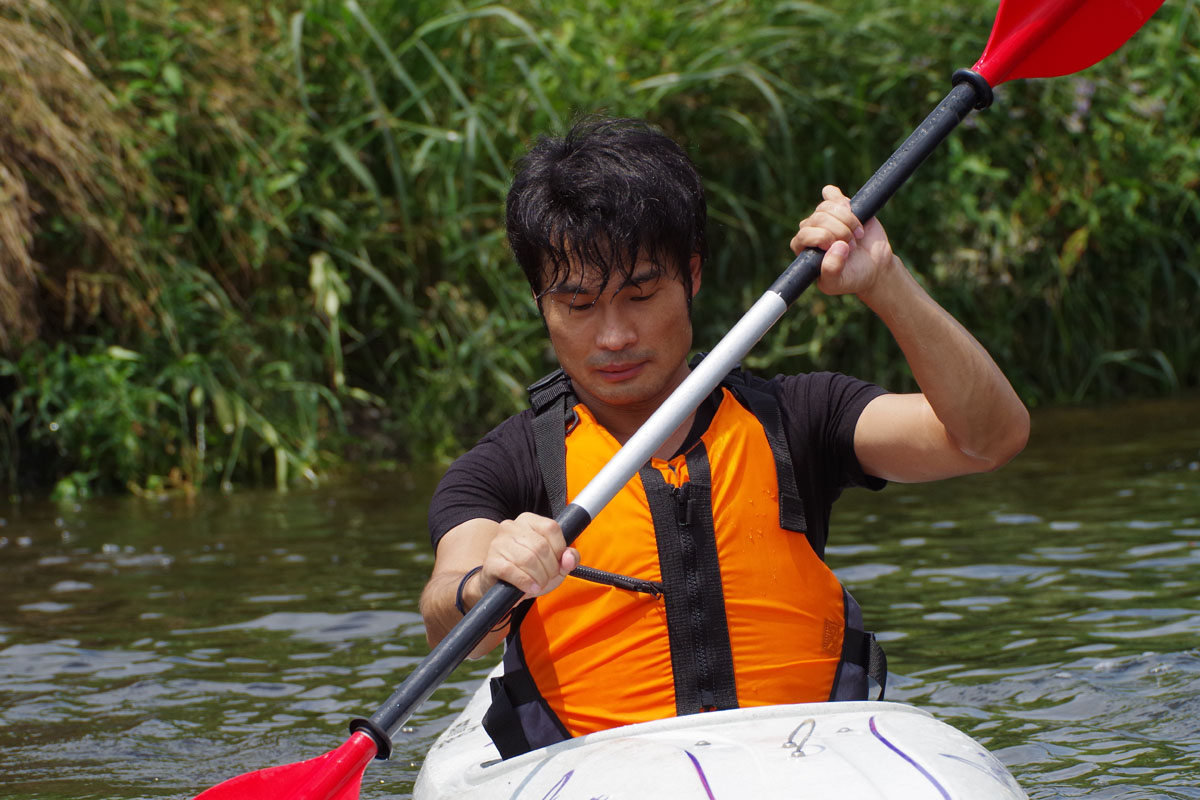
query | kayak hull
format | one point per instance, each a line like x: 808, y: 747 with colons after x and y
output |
x: 865, y: 749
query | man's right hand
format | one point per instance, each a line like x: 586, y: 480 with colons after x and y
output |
x: 528, y: 552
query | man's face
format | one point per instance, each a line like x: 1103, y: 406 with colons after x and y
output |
x: 623, y: 346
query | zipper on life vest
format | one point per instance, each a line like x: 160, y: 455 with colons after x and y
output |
x: 685, y: 516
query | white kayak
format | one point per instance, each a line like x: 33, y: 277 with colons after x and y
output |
x: 850, y: 750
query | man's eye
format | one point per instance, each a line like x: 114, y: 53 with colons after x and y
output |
x: 579, y: 304
x: 641, y: 298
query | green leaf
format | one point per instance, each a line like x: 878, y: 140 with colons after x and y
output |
x: 173, y: 78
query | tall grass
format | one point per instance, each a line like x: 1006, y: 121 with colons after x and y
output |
x: 308, y: 195
x: 64, y: 149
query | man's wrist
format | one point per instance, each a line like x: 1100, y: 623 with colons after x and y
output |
x: 890, y: 285
x: 459, y: 601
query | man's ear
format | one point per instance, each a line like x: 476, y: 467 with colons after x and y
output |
x: 694, y: 265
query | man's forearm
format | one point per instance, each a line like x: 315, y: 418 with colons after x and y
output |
x: 437, y: 606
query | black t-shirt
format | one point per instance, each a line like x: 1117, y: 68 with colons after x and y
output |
x: 499, y: 479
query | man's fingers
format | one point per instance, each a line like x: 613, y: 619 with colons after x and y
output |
x: 569, y: 561
x: 831, y: 221
x: 835, y: 259
x: 840, y: 225
x: 503, y: 569
x: 834, y: 228
x: 529, y: 553
x: 838, y: 217
x: 838, y: 205
x: 831, y: 192
x: 545, y: 527
x: 821, y: 238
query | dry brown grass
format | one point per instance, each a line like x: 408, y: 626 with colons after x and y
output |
x: 66, y: 154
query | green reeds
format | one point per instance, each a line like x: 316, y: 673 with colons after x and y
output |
x: 292, y: 247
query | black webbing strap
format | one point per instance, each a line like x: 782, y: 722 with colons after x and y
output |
x: 520, y: 688
x: 552, y: 401
x: 670, y: 563
x: 697, y: 629
x: 860, y: 647
x: 765, y: 407
x: 711, y: 619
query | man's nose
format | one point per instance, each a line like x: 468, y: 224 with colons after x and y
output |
x: 616, y: 331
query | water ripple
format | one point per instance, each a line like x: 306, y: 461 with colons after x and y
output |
x: 322, y: 626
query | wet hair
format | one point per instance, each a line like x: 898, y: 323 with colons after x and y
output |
x: 607, y: 192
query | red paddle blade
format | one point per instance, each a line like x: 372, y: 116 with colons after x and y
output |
x: 337, y: 775
x: 1045, y: 38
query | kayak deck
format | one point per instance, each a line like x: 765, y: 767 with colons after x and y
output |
x: 864, y: 749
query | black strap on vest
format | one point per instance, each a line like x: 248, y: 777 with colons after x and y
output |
x: 553, y: 405
x: 701, y: 654
x: 860, y: 647
x: 765, y: 407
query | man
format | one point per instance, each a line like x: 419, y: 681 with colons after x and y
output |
x: 708, y: 587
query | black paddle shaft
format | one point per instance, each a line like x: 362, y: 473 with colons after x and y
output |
x: 970, y: 91
x: 454, y: 649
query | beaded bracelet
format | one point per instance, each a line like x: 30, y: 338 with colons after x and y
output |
x: 458, y: 597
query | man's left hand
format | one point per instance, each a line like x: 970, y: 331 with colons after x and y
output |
x: 855, y: 254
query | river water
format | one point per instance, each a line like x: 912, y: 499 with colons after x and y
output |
x: 153, y: 649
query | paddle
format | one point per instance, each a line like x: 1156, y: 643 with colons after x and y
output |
x: 1030, y: 38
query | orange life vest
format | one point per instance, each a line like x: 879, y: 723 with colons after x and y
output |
x: 749, y: 614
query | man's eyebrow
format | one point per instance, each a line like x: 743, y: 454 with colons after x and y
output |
x: 577, y: 287
x: 571, y: 288
x: 644, y: 276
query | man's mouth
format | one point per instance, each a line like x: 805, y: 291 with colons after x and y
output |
x: 614, y: 373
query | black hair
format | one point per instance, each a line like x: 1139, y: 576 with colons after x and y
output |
x: 607, y: 192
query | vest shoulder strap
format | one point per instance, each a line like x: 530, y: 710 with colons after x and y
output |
x: 764, y: 405
x: 553, y: 401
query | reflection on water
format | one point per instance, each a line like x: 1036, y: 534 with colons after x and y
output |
x: 151, y: 650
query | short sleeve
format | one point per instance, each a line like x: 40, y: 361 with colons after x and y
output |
x: 497, y: 479
x: 822, y: 410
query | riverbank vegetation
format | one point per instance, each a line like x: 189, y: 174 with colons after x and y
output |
x: 241, y: 243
